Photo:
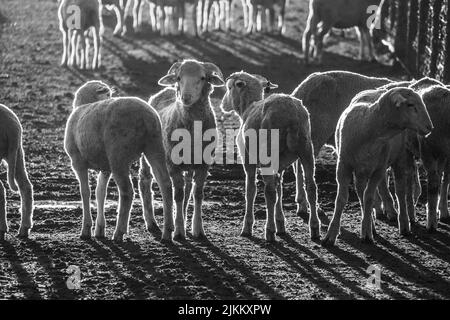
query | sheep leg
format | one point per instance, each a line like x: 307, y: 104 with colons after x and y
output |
x: 400, y: 190
x: 413, y: 191
x: 379, y: 214
x: 3, y: 223
x: 83, y: 178
x: 146, y: 194
x: 194, y: 17
x: 26, y: 196
x: 136, y: 9
x: 73, y: 45
x: 82, y: 44
x: 258, y: 18
x: 199, y: 183
x: 126, y: 195
x: 182, y: 12
x: 308, y: 164
x: 119, y: 25
x: 252, y: 12
x: 388, y: 201
x: 281, y: 23
x: 250, y: 193
x: 65, y: 55
x: 100, y: 195
x: 318, y: 40
x: 86, y: 52
x: 280, y: 221
x: 187, y: 191
x: 159, y: 167
x: 97, y: 61
x: 311, y: 29
x: 228, y: 15
x: 300, y: 198
x: 270, y: 193
x: 245, y: 10
x: 180, y: 221
x: 432, y: 195
x: 343, y: 178
x: 367, y: 224
x: 152, y: 14
x: 443, y: 201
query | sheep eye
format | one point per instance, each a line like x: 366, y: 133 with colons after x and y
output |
x: 178, y: 79
x: 239, y: 84
x: 203, y: 78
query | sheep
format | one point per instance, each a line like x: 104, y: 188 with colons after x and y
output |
x: 137, y: 14
x: 183, y: 107
x: 108, y: 134
x: 11, y: 150
x: 120, y: 8
x: 169, y: 16
x: 340, y: 14
x: 287, y: 114
x: 363, y: 137
x: 255, y: 11
x: 76, y: 18
x: 326, y: 95
x: 435, y: 154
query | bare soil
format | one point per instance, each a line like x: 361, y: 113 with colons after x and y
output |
x: 227, y: 266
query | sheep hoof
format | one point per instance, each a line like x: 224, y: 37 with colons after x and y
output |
x: 328, y: 242
x: 166, y: 239
x: 246, y: 234
x: 153, y: 228
x: 85, y: 233
x: 280, y: 226
x: 270, y: 236
x: 302, y: 211
x: 315, y: 233
x: 117, y: 237
x: 405, y: 233
x: 445, y: 220
x: 199, y: 237
x: 179, y: 237
x: 23, y: 233
x: 367, y: 240
x: 100, y: 233
x: 85, y: 237
x: 2, y: 235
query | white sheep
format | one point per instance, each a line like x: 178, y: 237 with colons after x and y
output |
x: 255, y: 15
x: 11, y: 150
x: 120, y: 8
x: 76, y: 18
x: 363, y: 139
x: 326, y: 95
x: 245, y: 96
x: 183, y: 107
x: 108, y: 134
x: 341, y: 14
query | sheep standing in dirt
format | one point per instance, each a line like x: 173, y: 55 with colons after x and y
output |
x: 245, y: 96
x: 185, y: 109
x: 76, y: 18
x: 11, y: 150
x: 120, y: 9
x: 340, y: 14
x: 326, y: 95
x: 109, y: 134
x: 362, y: 143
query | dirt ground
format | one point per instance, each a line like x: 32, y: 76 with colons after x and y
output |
x: 227, y: 266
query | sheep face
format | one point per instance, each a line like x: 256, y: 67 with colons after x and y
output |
x: 192, y: 80
x: 409, y: 110
x: 243, y: 89
x: 92, y: 91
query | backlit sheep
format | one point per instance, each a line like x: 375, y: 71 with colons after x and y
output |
x: 11, y: 150
x: 76, y: 18
x: 245, y: 96
x: 183, y: 107
x: 362, y: 143
x: 120, y: 9
x: 109, y: 134
x: 340, y: 14
x: 326, y: 95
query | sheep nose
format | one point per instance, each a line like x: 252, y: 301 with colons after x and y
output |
x: 186, y: 98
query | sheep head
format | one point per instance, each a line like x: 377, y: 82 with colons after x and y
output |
x: 90, y: 92
x: 405, y: 108
x: 243, y: 89
x: 193, y: 80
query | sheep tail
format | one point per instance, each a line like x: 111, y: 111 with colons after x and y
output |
x: 13, y: 148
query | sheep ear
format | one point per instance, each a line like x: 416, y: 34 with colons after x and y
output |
x: 216, y: 80
x: 271, y: 85
x: 398, y: 99
x: 168, y: 80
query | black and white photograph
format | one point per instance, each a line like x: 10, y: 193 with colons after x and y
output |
x: 223, y: 155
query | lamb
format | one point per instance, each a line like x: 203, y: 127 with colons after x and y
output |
x: 76, y: 18
x: 340, y: 14
x: 363, y: 139
x: 280, y: 112
x: 184, y: 107
x: 108, y: 134
x: 120, y: 8
x: 326, y: 95
x: 11, y: 150
x: 254, y: 15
